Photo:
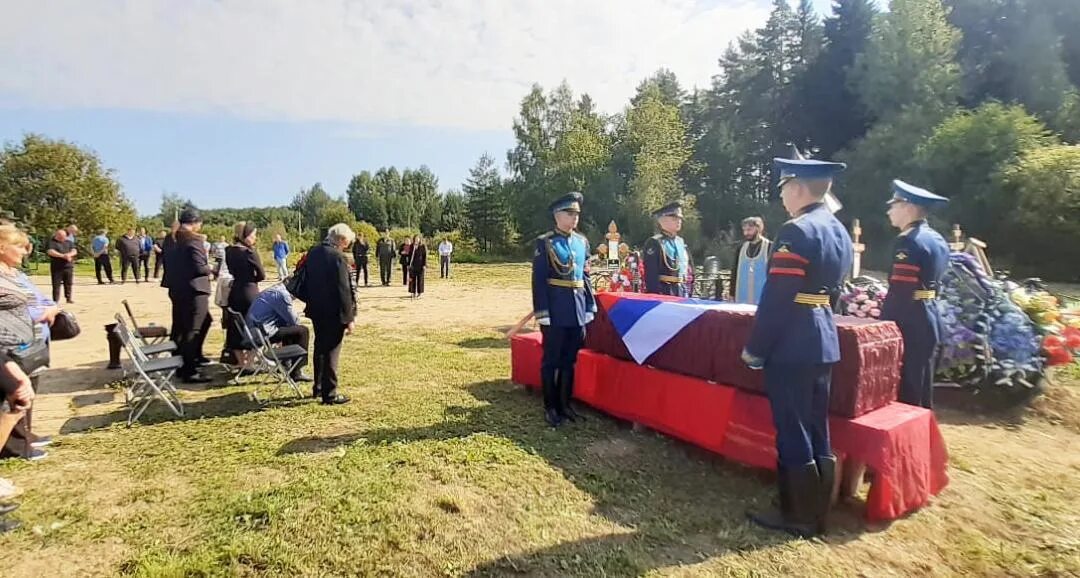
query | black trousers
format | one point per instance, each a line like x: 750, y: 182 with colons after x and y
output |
x: 144, y: 262
x: 293, y: 335
x: 191, y: 322
x: 159, y: 264
x: 328, y: 336
x: 405, y: 273
x: 361, y: 264
x: 103, y: 263
x: 62, y: 276
x: 233, y: 338
x: 386, y: 269
x: 561, y: 346
x: 129, y: 262
x: 444, y: 266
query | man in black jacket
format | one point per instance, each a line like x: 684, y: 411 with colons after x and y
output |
x: 331, y: 307
x: 385, y: 251
x: 188, y: 276
x: 128, y: 247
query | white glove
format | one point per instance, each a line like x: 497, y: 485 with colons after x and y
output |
x: 589, y: 318
x: 543, y: 320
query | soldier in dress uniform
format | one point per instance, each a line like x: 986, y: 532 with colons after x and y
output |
x: 666, y: 259
x: 563, y: 304
x: 920, y: 257
x: 794, y: 340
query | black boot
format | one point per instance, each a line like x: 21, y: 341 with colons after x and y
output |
x: 566, y: 394
x: 827, y: 479
x: 800, y: 490
x: 551, y: 401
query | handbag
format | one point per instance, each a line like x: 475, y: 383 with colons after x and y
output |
x: 64, y: 326
x: 32, y: 357
x: 296, y: 284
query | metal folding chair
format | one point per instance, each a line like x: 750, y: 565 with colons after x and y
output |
x: 151, y: 377
x: 150, y: 334
x: 277, y: 363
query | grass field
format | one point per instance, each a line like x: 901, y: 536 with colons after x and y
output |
x: 440, y: 466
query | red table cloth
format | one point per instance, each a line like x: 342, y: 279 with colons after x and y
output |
x: 900, y: 443
x: 866, y: 378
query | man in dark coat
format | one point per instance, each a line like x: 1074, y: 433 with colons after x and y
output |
x: 331, y: 306
x: 188, y: 276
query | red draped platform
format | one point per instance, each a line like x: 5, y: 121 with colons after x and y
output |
x: 901, y: 444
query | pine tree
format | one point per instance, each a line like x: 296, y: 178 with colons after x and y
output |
x: 490, y: 222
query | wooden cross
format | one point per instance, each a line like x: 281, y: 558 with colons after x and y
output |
x: 856, y: 235
x: 958, y: 238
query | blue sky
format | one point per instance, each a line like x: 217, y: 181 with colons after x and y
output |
x: 243, y: 102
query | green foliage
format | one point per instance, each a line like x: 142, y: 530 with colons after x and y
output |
x: 333, y: 213
x: 964, y: 157
x: 1046, y: 184
x: 310, y: 204
x: 490, y: 220
x: 49, y: 184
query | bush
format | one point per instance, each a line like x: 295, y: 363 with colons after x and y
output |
x: 1046, y: 184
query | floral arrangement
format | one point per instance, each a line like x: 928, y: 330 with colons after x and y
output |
x: 863, y: 300
x: 1061, y: 328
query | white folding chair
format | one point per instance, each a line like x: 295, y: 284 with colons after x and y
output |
x: 277, y: 363
x: 150, y: 378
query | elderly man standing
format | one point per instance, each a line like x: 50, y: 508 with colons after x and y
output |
x: 61, y: 253
x: 128, y: 247
x: 99, y: 247
x: 331, y: 306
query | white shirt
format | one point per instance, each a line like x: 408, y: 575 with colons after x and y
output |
x: 445, y: 248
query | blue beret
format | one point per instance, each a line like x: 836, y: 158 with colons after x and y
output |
x: 806, y: 169
x: 669, y: 210
x: 568, y: 202
x: 903, y: 192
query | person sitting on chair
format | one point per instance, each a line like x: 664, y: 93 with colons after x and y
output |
x: 272, y: 313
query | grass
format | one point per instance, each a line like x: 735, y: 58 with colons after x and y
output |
x: 440, y: 466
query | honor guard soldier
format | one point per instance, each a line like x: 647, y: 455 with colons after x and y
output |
x: 920, y: 257
x: 563, y: 303
x: 794, y: 340
x: 666, y: 258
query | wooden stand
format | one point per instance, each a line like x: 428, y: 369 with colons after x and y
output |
x: 856, y: 235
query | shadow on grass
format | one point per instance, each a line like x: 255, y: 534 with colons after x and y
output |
x: 684, y: 505
x: 228, y: 405
x: 485, y: 343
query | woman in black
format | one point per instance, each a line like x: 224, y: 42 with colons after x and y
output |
x: 404, y: 254
x: 246, y: 268
x: 417, y: 265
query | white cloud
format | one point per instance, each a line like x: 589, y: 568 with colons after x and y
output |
x: 451, y: 63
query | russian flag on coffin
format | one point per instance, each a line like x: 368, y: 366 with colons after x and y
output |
x: 646, y: 323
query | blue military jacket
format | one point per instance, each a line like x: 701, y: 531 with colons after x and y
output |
x: 666, y: 262
x: 560, y: 289
x: 920, y: 258
x: 794, y: 322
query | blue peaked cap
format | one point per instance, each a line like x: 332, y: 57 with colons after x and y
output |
x: 907, y: 193
x: 807, y: 169
x: 568, y: 202
x: 669, y: 210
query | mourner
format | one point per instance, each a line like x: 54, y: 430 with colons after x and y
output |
x: 666, y: 260
x: 794, y: 340
x: 187, y: 275
x: 751, y: 262
x: 331, y: 306
x: 385, y: 252
x: 920, y: 257
x: 563, y: 304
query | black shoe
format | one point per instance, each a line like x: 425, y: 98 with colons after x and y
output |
x: 569, y: 414
x: 826, y: 480
x: 203, y: 360
x: 71, y: 301
x: 552, y: 418
x: 9, y: 526
x: 114, y: 366
x: 336, y: 400
x: 195, y: 378
x: 301, y: 377
x: 8, y: 508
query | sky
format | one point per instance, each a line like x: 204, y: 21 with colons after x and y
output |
x: 244, y: 102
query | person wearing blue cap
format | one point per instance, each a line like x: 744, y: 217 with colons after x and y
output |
x: 920, y: 258
x: 666, y: 258
x: 794, y: 340
x: 563, y: 304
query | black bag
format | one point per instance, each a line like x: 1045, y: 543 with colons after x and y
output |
x: 32, y: 357
x: 65, y: 326
x: 296, y: 284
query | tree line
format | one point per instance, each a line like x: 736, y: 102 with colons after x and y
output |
x: 974, y: 99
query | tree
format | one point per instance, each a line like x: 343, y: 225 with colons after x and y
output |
x: 455, y: 215
x: 49, y: 183
x: 171, y: 206
x: 833, y: 111
x: 965, y: 157
x: 490, y: 222
x: 1046, y: 185
x: 366, y: 200
x: 310, y: 203
x: 910, y: 61
x: 333, y: 213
